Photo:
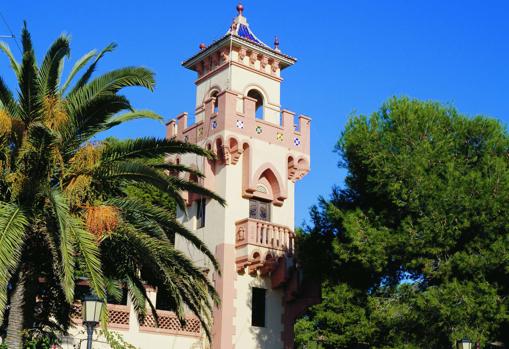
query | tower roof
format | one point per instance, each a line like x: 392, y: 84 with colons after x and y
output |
x: 241, y: 28
x: 240, y: 33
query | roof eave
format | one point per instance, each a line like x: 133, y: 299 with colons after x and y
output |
x: 284, y: 59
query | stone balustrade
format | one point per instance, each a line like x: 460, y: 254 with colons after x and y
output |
x: 264, y: 234
x: 259, y: 243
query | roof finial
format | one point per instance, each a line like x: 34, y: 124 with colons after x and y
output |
x: 276, y: 44
x: 240, y: 8
x: 203, y: 46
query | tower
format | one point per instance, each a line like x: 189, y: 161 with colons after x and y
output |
x: 262, y: 151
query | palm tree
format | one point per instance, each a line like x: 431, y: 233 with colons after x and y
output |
x: 64, y: 195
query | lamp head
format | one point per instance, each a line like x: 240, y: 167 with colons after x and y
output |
x: 91, y: 310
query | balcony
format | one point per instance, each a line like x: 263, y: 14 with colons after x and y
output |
x: 169, y: 324
x: 259, y: 244
x: 118, y: 315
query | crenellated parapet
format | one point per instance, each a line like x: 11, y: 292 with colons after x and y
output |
x: 291, y: 132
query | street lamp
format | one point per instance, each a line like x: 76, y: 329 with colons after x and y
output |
x: 463, y: 344
x: 91, y: 312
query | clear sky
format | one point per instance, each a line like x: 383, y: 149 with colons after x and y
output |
x: 352, y: 56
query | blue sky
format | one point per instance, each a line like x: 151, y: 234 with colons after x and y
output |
x: 352, y: 56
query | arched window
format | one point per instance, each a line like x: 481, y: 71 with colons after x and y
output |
x: 214, y: 94
x: 259, y: 102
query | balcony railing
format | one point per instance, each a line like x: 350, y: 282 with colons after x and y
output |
x: 118, y: 315
x: 168, y: 322
x: 264, y: 234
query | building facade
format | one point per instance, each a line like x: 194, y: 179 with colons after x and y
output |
x: 262, y: 151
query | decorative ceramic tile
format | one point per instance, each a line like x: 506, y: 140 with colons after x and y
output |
x: 279, y: 136
x: 296, y: 141
x: 240, y: 124
x: 214, y: 124
x: 259, y: 129
x: 200, y: 132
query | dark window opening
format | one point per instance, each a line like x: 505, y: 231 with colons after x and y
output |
x: 258, y: 307
x: 164, y: 301
x: 259, y: 209
x: 259, y: 103
x: 200, y: 213
x: 216, y: 101
x: 80, y: 291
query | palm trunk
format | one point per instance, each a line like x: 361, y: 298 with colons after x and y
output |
x: 16, y: 319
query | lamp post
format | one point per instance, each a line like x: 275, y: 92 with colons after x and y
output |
x: 91, y: 312
x: 464, y: 343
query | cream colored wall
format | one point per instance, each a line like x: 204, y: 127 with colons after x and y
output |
x: 141, y: 340
x: 133, y: 336
x: 213, y: 233
x: 242, y: 80
x: 202, y: 89
x: 220, y: 222
x: 247, y: 336
x: 220, y: 228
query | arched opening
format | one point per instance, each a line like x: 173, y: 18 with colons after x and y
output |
x: 219, y: 150
x: 270, y: 178
x: 214, y: 94
x: 259, y: 102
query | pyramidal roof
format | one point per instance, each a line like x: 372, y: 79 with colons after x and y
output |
x: 239, y: 32
x: 240, y: 28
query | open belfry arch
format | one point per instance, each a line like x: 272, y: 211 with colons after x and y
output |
x: 262, y: 151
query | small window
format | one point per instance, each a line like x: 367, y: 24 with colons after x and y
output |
x: 258, y: 307
x: 259, y: 209
x: 200, y: 213
x: 259, y: 103
x: 164, y: 301
x: 216, y: 101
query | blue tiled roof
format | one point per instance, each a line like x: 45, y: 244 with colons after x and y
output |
x: 245, y: 33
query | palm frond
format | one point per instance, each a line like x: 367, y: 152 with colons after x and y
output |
x: 137, y: 172
x: 151, y: 248
x: 150, y: 147
x: 114, y: 289
x: 195, y: 188
x: 89, y: 251
x: 88, y: 73
x: 90, y: 119
x: 28, y: 83
x: 177, y: 168
x: 13, y: 224
x: 137, y: 114
x: 67, y: 242
x: 165, y: 221
x: 14, y: 64
x: 26, y: 39
x: 49, y: 72
x: 6, y: 97
x: 80, y: 63
x: 110, y: 83
x: 140, y: 297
